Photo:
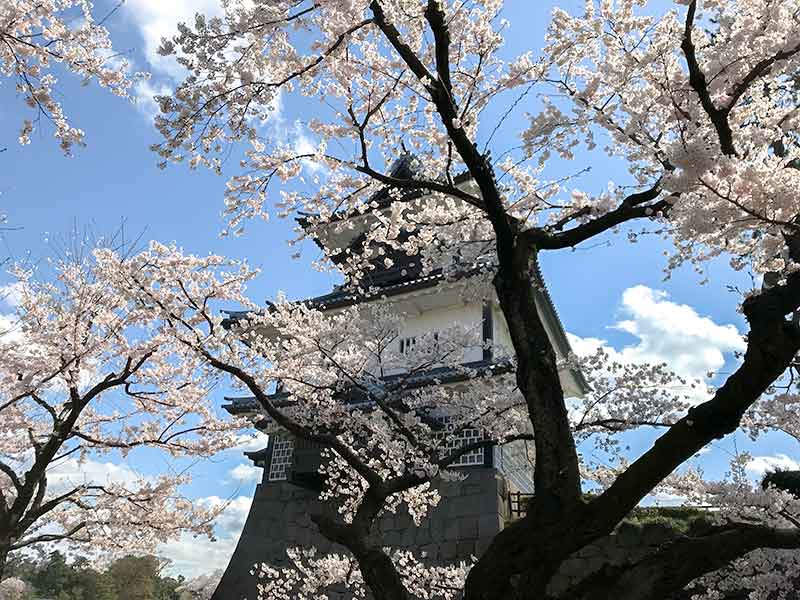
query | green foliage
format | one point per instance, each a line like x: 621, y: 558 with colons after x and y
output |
x: 128, y: 578
x: 678, y: 519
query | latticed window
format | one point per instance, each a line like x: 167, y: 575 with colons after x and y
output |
x: 282, y: 449
x: 464, y: 437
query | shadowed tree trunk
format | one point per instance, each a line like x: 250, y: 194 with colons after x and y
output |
x: 4, y: 544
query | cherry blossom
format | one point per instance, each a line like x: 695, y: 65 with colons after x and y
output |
x: 87, y: 374
x: 12, y: 589
x: 201, y: 587
x: 38, y: 36
x: 309, y: 576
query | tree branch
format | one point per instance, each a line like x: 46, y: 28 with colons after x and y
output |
x: 699, y: 83
x: 772, y: 345
x: 48, y: 537
x: 681, y: 561
x: 11, y: 474
x: 632, y: 207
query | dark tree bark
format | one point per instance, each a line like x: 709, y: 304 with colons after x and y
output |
x: 3, y: 556
x: 680, y: 562
x: 377, y: 568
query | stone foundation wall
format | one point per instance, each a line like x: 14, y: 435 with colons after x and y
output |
x: 469, y: 515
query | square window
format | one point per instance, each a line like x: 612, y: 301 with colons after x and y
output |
x: 407, y: 344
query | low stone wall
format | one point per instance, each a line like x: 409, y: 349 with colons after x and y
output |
x: 469, y: 515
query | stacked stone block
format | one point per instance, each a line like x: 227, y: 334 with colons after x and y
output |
x: 469, y: 515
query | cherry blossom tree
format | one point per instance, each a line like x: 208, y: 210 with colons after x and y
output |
x: 84, y: 374
x: 699, y: 100
x: 36, y: 38
x: 12, y: 589
x: 201, y: 587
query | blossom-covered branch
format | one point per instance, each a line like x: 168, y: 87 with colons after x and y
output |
x: 705, y: 118
x: 37, y: 35
x: 85, y: 372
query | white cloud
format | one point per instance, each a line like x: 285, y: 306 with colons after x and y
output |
x: 9, y: 300
x: 303, y: 144
x: 71, y: 472
x: 664, y: 499
x: 144, y: 93
x: 667, y: 332
x: 674, y: 333
x: 252, y: 442
x: 10, y: 295
x: 758, y: 466
x: 245, y: 473
x: 193, y: 556
x: 158, y: 19
x: 9, y: 328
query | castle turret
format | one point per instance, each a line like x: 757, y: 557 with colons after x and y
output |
x: 472, y: 511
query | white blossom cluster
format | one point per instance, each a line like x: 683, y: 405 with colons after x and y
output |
x: 626, y: 75
x: 201, y: 587
x: 12, y: 589
x: 87, y: 373
x: 309, y: 577
x: 40, y: 35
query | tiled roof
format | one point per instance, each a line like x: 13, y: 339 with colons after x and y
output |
x: 438, y: 375
x: 387, y: 284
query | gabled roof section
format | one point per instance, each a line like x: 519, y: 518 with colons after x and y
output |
x: 406, y: 274
x: 438, y: 375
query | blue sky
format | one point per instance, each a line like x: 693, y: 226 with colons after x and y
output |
x: 115, y: 179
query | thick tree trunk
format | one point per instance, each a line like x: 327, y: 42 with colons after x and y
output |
x: 381, y: 576
x: 522, y: 559
x: 491, y: 576
x: 556, y: 472
x: 379, y: 572
x: 4, y: 545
